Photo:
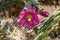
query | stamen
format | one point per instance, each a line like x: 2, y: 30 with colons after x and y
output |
x: 29, y: 19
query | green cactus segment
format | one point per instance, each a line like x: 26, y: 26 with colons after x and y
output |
x: 45, y: 33
x: 37, y: 5
x: 46, y: 28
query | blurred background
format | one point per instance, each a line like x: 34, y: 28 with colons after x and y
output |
x: 9, y: 11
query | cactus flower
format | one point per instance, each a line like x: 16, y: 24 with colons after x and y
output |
x: 45, y: 14
x: 28, y: 18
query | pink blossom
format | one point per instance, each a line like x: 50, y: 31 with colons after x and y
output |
x: 28, y: 18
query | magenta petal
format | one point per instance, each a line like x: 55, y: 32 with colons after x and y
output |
x: 36, y: 20
x: 36, y: 14
x: 20, y: 22
x: 22, y: 13
x: 27, y: 25
x: 32, y: 9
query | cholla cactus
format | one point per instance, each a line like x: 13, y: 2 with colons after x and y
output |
x: 47, y: 26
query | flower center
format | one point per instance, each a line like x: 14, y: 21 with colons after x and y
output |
x: 29, y: 17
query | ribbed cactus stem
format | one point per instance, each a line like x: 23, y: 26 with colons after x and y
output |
x: 46, y: 28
